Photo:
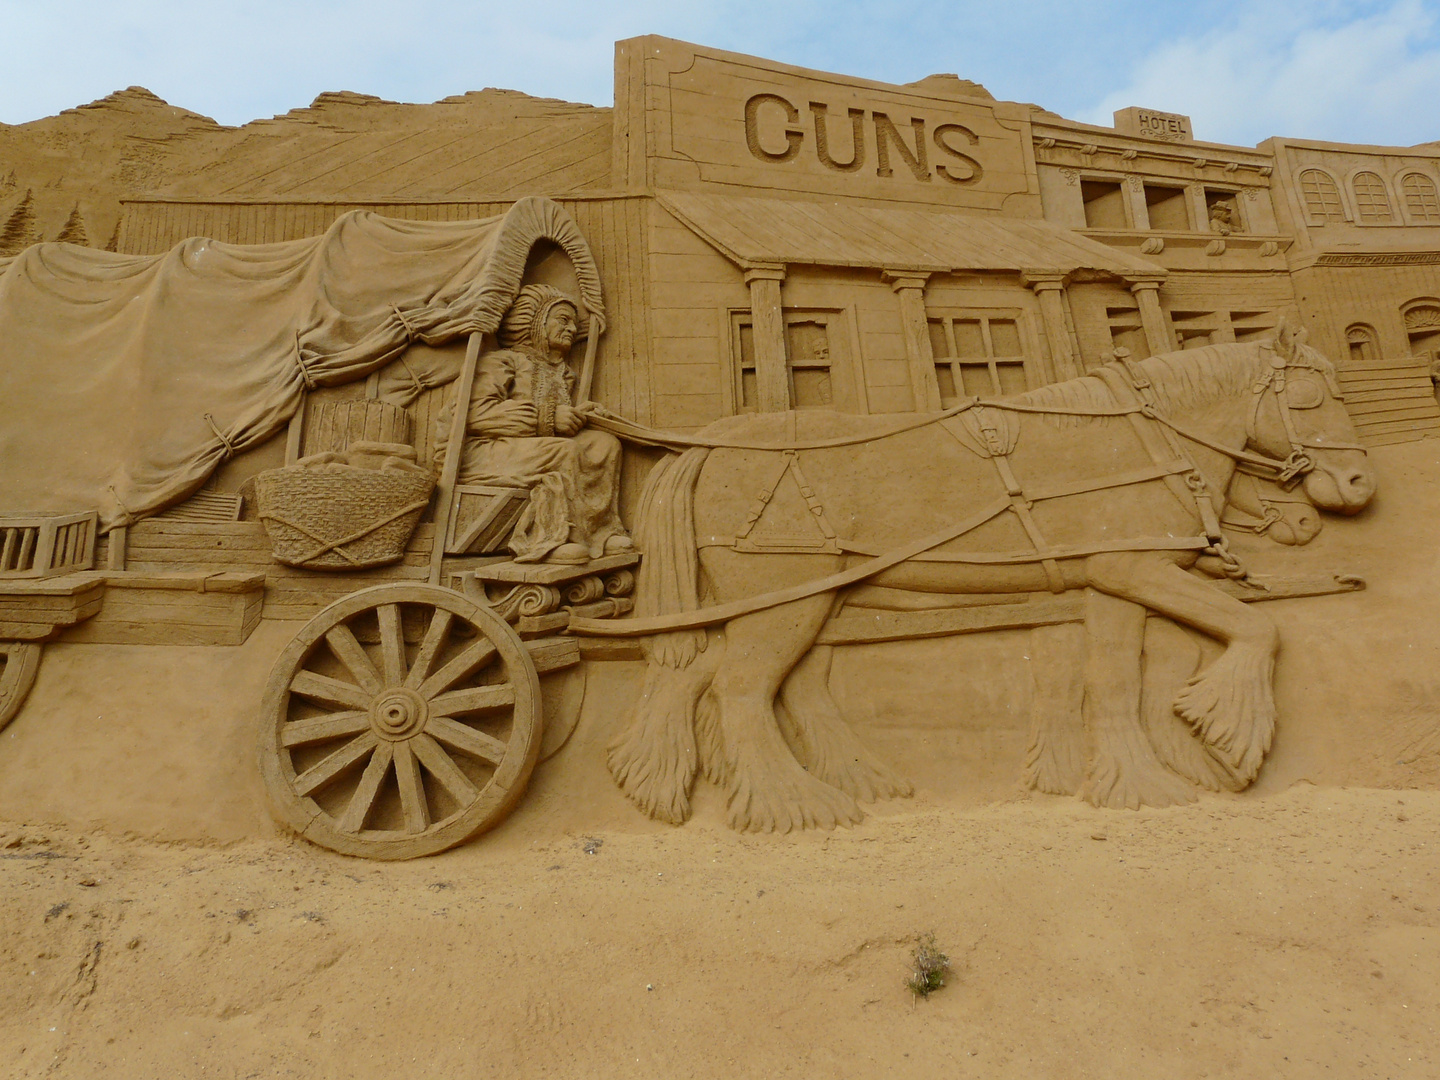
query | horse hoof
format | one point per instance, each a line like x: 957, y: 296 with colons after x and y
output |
x: 780, y: 799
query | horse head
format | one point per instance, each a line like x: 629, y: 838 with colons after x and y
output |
x: 1299, y: 418
x: 1260, y: 505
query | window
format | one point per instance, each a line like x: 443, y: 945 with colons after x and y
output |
x: 1196, y: 329
x: 1421, y: 202
x: 1168, y: 212
x: 1422, y: 327
x: 1223, y: 210
x: 1104, y: 204
x: 816, y: 360
x: 1361, y: 340
x: 1127, y: 331
x: 978, y: 354
x: 808, y: 353
x: 1322, y: 197
x: 1372, y: 201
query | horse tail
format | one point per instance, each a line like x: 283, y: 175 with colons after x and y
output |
x: 669, y: 579
x: 653, y: 758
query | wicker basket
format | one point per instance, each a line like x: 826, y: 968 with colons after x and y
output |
x: 338, y: 517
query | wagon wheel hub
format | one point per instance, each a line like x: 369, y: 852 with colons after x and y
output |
x: 398, y: 714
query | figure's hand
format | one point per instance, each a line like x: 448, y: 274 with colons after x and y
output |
x: 568, y: 419
x: 513, y: 419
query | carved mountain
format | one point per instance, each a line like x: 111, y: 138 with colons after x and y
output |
x: 94, y: 155
x: 343, y: 146
x: 354, y: 146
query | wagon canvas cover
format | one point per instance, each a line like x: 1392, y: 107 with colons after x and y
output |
x: 126, y: 380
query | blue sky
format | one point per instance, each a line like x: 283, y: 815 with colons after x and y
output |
x: 1349, y: 70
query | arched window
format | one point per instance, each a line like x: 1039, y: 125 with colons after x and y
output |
x: 1422, y: 327
x: 1363, y: 344
x: 1322, y: 197
x: 1421, y: 201
x: 1372, y: 201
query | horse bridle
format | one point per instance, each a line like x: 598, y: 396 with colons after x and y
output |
x: 1290, y: 471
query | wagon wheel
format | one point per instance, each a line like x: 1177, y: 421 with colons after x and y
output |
x: 400, y: 721
x: 19, y: 660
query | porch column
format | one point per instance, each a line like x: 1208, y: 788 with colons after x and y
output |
x: 1147, y: 294
x: 1049, y: 288
x: 772, y: 376
x: 909, y: 286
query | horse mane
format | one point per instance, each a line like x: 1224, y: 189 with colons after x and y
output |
x: 1182, y: 381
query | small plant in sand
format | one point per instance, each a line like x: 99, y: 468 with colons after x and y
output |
x: 931, y: 966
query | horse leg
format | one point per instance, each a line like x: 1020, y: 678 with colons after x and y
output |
x: 653, y: 757
x: 823, y: 742
x: 1231, y: 703
x: 1055, y: 758
x: 1171, y: 656
x: 1123, y: 769
x: 768, y: 789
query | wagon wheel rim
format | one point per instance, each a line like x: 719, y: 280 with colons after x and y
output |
x: 400, y: 721
x: 19, y: 661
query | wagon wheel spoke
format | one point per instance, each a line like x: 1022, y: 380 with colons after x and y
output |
x: 370, y: 781
x: 328, y: 691
x: 473, y: 699
x: 319, y: 728
x: 475, y: 656
x: 435, y: 636
x: 467, y: 740
x: 330, y: 743
x: 434, y: 758
x: 316, y: 777
x: 392, y: 644
x: 352, y: 655
x: 412, y: 789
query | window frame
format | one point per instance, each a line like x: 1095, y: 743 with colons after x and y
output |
x: 1031, y: 363
x: 848, y: 375
x: 1340, y: 195
x: 1355, y: 198
x: 1409, y: 217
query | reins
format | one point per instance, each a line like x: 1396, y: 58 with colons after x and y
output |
x: 1123, y: 378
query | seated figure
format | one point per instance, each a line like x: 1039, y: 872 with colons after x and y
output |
x: 523, y: 430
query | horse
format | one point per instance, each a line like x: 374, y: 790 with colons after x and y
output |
x: 1111, y: 483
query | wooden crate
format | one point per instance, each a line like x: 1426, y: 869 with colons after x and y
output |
x: 202, y: 607
x: 483, y: 518
x: 46, y: 545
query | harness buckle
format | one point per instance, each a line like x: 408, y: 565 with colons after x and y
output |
x: 1294, y: 467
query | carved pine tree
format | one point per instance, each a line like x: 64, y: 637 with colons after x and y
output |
x: 19, y: 231
x: 74, y: 229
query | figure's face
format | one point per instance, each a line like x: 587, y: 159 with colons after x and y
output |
x: 560, y: 327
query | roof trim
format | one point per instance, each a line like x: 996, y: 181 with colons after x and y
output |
x: 752, y: 231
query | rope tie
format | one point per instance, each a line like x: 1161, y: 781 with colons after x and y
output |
x: 305, y: 372
x: 410, y: 331
x: 129, y: 514
x: 224, y: 440
x: 419, y: 386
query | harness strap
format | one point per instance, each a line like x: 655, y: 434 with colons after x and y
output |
x: 1020, y: 506
x: 1079, y: 551
x: 694, y: 620
x: 1120, y: 388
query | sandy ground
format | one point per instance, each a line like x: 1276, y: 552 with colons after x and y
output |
x: 155, y: 923
x: 1293, y: 936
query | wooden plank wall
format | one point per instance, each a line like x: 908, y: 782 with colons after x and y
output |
x: 1391, y: 401
x: 694, y: 289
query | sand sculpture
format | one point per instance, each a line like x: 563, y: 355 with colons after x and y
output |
x: 851, y: 362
